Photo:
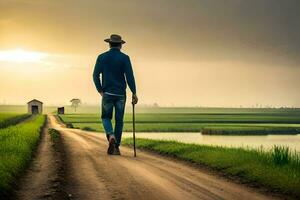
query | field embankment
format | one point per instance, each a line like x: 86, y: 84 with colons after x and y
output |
x: 17, y: 145
x: 8, y: 119
x: 260, y: 123
x: 277, y: 170
x: 250, y: 130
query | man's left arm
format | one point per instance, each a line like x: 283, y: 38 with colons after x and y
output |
x: 130, y: 80
x: 129, y: 75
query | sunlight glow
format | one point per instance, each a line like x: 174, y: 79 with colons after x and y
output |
x: 20, y: 56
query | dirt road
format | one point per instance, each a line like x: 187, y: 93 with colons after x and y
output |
x: 94, y: 175
x: 43, y: 178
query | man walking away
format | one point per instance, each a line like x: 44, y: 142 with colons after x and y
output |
x: 114, y: 66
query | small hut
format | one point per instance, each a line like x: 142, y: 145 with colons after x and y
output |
x: 61, y: 110
x: 35, y: 107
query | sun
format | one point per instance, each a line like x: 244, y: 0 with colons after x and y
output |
x: 21, y: 56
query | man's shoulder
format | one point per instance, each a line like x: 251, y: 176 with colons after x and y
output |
x: 124, y: 55
x: 120, y: 54
x: 103, y: 54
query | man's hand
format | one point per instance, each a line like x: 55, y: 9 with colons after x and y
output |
x: 101, y: 93
x: 134, y: 99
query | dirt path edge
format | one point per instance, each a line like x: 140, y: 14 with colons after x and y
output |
x: 44, y: 178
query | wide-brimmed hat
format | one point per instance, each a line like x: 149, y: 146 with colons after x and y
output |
x: 114, y: 38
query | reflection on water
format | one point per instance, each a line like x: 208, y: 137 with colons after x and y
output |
x: 267, y: 141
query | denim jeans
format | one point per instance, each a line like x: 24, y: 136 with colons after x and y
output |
x: 109, y: 103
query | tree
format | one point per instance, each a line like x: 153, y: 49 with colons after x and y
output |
x: 75, y: 103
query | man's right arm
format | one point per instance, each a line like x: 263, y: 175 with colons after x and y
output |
x: 96, y: 76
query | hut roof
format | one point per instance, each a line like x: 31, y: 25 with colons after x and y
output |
x: 34, y: 100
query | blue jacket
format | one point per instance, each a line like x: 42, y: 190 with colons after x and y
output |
x: 114, y: 66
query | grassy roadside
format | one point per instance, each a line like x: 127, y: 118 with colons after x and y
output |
x: 277, y: 169
x: 54, y: 134
x: 59, y: 189
x: 8, y: 119
x: 17, y: 145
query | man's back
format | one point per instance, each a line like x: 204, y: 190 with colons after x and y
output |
x: 114, y: 67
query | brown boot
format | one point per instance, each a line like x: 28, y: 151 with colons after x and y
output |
x: 111, y: 145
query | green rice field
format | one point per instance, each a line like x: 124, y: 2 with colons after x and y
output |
x: 215, y: 122
x: 17, y: 145
x: 8, y: 119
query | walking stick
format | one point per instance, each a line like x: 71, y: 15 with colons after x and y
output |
x: 133, y: 128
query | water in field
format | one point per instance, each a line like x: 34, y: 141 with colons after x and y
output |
x: 267, y: 141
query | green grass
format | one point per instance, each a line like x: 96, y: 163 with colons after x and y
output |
x: 54, y: 134
x: 250, y: 118
x: 277, y: 169
x: 231, y: 123
x: 17, y: 144
x: 8, y: 119
x: 227, y: 129
x: 149, y: 127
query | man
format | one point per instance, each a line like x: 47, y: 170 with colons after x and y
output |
x: 114, y: 66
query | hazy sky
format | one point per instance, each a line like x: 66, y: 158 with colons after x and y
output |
x: 184, y: 53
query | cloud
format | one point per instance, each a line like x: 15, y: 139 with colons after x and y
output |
x: 205, y: 48
x: 250, y: 31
